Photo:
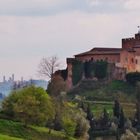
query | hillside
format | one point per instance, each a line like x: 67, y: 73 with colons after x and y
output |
x: 100, y: 95
x: 102, y: 91
x: 16, y: 131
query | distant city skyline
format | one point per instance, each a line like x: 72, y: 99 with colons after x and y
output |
x: 31, y: 30
x: 10, y: 78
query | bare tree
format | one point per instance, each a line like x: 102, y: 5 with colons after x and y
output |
x: 48, y: 66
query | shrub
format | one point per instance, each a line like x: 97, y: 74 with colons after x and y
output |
x: 82, y: 126
x: 56, y: 86
x: 30, y: 105
x: 69, y: 126
x: 133, y: 77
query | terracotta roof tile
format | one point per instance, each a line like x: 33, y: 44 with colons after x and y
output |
x: 100, y: 51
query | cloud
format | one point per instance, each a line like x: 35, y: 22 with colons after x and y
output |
x: 94, y: 2
x: 106, y: 6
x: 53, y: 7
x: 76, y: 31
x: 132, y: 4
x: 33, y: 7
x: 26, y: 39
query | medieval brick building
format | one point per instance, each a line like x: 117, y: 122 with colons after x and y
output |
x: 125, y: 59
x: 130, y: 54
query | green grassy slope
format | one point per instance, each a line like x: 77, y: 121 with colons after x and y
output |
x: 10, y: 130
x: 102, y: 95
x: 6, y: 137
x: 101, y: 91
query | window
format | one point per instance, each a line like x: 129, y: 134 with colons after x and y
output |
x: 132, y: 60
x: 125, y: 59
x: 106, y: 59
x: 136, y: 61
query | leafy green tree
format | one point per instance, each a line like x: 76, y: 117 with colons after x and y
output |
x: 116, y: 109
x: 82, y: 126
x: 30, y: 105
x: 69, y: 126
x: 89, y: 113
x: 128, y: 135
x: 57, y: 122
x: 121, y: 119
x: 105, y: 119
x: 71, y: 119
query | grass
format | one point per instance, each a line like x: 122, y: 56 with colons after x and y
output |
x: 16, y: 131
x: 96, y: 91
x: 6, y: 137
x: 98, y: 107
x: 101, y: 95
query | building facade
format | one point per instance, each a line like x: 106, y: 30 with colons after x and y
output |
x: 125, y: 59
x: 130, y: 54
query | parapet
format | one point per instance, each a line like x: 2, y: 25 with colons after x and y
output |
x: 125, y: 40
x: 70, y: 60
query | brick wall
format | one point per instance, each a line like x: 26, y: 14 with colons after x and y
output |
x: 110, y: 58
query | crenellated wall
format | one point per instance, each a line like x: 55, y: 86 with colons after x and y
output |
x: 120, y: 62
x: 129, y: 53
x: 128, y: 43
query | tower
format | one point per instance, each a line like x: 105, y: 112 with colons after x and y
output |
x: 138, y: 29
x: 12, y: 77
x: 4, y: 80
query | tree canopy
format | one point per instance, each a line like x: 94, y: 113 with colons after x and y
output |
x: 30, y: 105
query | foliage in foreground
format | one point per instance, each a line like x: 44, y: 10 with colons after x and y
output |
x: 33, y: 106
x: 71, y: 120
x: 30, y: 105
x: 17, y: 131
x: 6, y: 137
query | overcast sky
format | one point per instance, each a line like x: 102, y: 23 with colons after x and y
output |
x: 32, y: 29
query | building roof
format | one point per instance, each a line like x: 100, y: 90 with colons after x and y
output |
x: 101, y: 51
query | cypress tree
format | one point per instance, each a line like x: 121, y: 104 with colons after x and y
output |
x: 116, y: 109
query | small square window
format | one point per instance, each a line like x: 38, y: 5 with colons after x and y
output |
x: 132, y: 60
x: 126, y: 59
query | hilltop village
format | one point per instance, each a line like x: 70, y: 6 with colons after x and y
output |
x: 120, y: 60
